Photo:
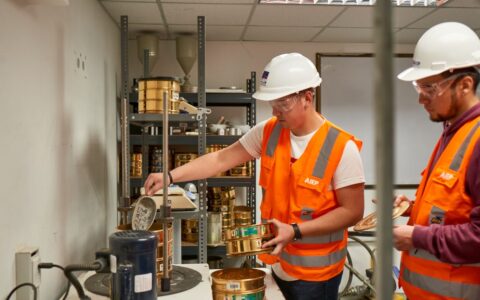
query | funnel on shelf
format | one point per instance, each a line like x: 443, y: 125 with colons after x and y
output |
x: 186, y: 56
x: 147, y: 41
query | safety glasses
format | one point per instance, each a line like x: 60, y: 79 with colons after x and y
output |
x: 285, y: 104
x: 435, y: 89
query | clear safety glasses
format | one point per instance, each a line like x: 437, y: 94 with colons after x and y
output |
x: 435, y: 89
x: 285, y: 104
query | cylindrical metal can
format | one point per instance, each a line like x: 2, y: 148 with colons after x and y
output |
x: 238, y: 284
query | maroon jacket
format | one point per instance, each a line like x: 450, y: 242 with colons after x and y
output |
x: 456, y: 244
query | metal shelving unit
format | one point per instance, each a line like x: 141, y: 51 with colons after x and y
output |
x: 131, y: 138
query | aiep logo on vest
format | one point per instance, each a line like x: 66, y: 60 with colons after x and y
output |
x: 445, y: 176
x: 311, y: 181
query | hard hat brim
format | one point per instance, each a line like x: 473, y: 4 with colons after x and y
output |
x: 265, y: 96
x: 269, y: 95
x: 413, y: 73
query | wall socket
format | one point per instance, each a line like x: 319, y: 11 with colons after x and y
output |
x: 26, y: 270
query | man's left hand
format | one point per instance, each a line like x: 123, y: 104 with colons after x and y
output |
x: 402, y: 237
x: 284, y: 236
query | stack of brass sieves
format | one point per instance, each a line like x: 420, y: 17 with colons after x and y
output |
x: 184, y: 158
x: 248, y: 240
x: 151, y: 91
x: 242, y: 215
x: 136, y: 165
x: 190, y: 230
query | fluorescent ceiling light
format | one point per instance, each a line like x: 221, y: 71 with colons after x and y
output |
x: 431, y: 3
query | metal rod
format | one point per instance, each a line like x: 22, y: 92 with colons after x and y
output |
x: 124, y: 114
x: 384, y: 138
x: 166, y: 201
x: 360, y: 276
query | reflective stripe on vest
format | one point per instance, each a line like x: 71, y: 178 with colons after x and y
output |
x: 315, y: 260
x: 458, y: 158
x: 442, y: 287
x: 273, y: 139
x: 322, y: 239
x: 324, y: 155
x: 423, y: 254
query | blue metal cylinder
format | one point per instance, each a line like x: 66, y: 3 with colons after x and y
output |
x: 133, y: 265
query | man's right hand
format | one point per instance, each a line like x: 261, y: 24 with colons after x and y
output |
x: 396, y: 202
x: 400, y: 198
x: 153, y: 183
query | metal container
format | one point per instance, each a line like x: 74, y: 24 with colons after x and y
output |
x: 258, y: 294
x: 239, y: 171
x: 150, y: 94
x: 247, y: 246
x: 157, y: 228
x: 190, y: 230
x: 214, y: 226
x: 227, y: 220
x: 242, y: 215
x: 238, y: 284
x: 184, y: 158
x: 155, y: 159
x: 136, y: 165
x: 134, y: 255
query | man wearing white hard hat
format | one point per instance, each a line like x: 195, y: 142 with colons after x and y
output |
x: 311, y: 176
x: 441, y: 243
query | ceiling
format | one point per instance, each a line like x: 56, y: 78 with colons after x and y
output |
x: 246, y: 20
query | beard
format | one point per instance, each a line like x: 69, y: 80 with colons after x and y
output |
x: 451, y: 113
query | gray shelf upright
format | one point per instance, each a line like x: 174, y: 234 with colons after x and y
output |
x: 124, y: 201
x: 202, y: 144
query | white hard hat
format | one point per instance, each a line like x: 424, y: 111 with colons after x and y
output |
x: 286, y: 74
x: 443, y: 47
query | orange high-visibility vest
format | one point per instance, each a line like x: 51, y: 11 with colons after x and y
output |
x: 300, y: 192
x: 441, y: 199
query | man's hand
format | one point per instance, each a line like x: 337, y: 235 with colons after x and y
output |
x: 402, y: 237
x: 396, y: 202
x: 399, y: 199
x: 284, y: 236
x: 153, y: 183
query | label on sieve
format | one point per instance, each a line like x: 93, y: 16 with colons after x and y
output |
x: 249, y: 231
x: 257, y: 296
x: 232, y: 285
x: 143, y: 283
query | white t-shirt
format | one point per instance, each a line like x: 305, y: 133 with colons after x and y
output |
x: 349, y: 170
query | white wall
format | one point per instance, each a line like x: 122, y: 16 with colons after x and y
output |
x: 58, y: 126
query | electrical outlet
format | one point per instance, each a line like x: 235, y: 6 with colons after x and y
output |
x: 26, y: 266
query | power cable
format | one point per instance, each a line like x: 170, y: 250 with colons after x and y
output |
x: 22, y: 285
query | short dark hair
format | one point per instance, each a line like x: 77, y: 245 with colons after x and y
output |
x: 469, y: 71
